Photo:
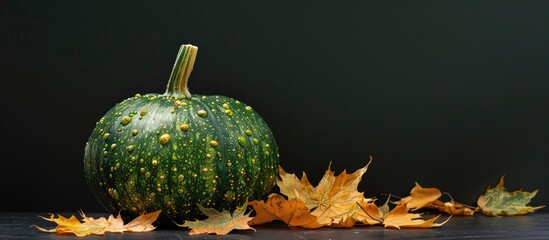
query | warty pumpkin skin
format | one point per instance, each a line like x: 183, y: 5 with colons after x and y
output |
x: 173, y: 151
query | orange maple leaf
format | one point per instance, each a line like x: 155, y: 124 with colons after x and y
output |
x: 400, y: 217
x: 293, y: 212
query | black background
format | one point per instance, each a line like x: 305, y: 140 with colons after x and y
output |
x: 451, y: 94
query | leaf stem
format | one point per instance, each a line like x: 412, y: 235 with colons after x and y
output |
x: 390, y: 195
x: 454, y: 202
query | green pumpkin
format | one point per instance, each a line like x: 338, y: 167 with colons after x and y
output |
x: 173, y: 151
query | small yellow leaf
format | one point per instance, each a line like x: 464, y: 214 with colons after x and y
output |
x: 399, y: 217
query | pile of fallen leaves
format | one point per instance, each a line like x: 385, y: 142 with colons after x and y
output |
x: 334, y: 202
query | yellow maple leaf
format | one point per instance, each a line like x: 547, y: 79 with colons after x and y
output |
x: 293, y: 212
x: 293, y: 187
x: 420, y: 196
x: 101, y: 225
x: 332, y: 201
x: 219, y: 223
x: 400, y: 217
x: 72, y: 225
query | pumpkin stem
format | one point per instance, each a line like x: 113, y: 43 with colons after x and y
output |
x: 177, y: 85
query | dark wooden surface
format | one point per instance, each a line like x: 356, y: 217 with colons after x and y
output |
x: 532, y: 226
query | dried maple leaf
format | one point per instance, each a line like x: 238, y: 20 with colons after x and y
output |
x: 400, y: 217
x: 293, y: 187
x: 72, y: 225
x: 451, y: 208
x: 293, y: 212
x: 143, y: 223
x: 101, y: 225
x: 219, y: 223
x: 331, y: 200
x: 420, y: 196
x: 498, y: 201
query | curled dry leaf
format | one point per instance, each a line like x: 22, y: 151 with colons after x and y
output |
x: 293, y: 212
x: 451, y: 208
x: 385, y: 207
x: 499, y: 202
x: 101, y: 225
x: 421, y: 197
x: 219, y: 223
